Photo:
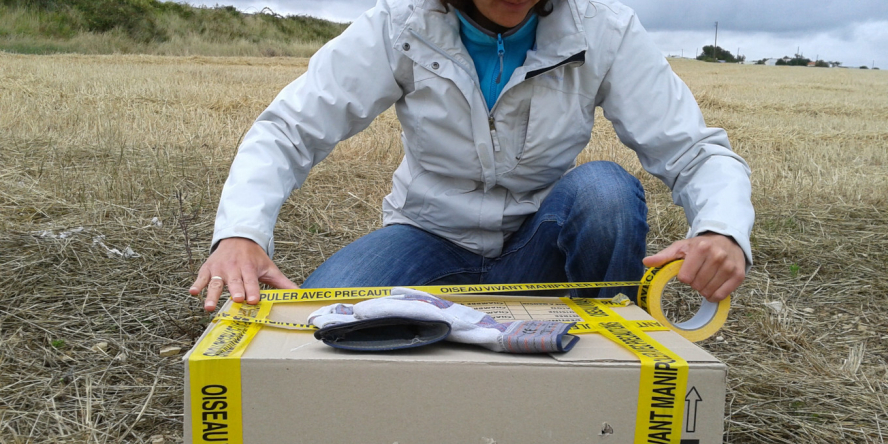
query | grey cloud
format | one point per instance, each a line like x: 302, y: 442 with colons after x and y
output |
x: 776, y: 16
x: 792, y: 16
x: 854, y: 31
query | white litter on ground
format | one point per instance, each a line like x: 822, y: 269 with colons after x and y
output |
x: 776, y: 306
x: 43, y: 234
x: 127, y: 252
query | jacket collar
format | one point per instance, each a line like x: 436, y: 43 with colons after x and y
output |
x: 478, y: 34
x: 559, y: 35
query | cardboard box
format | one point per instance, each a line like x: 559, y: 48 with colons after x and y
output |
x: 294, y: 389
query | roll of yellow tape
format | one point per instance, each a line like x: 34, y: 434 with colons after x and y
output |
x: 708, y: 320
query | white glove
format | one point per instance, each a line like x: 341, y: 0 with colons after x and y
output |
x: 467, y: 325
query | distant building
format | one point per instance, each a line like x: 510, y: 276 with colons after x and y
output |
x: 771, y: 62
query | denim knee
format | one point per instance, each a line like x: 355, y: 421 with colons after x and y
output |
x: 605, y: 188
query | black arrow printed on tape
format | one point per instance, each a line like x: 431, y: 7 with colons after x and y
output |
x: 691, y: 400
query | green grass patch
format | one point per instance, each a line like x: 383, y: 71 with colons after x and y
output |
x: 154, y: 27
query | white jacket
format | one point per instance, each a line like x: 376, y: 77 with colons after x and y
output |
x: 470, y: 175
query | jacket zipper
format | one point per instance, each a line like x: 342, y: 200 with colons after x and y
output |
x: 501, y: 51
x: 493, y: 136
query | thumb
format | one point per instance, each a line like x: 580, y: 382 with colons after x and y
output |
x: 669, y: 254
x: 276, y: 279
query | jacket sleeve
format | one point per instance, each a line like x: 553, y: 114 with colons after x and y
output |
x: 348, y: 83
x: 655, y: 114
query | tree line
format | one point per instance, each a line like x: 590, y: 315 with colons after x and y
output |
x: 718, y: 54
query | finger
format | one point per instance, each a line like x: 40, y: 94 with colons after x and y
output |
x: 707, y: 279
x: 728, y: 286
x: 214, y: 291
x: 723, y: 270
x: 236, y: 288
x: 251, y: 286
x: 666, y: 255
x: 276, y: 279
x: 689, y: 269
x: 203, y: 277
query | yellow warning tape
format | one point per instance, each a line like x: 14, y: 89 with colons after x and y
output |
x: 663, y: 379
x: 215, y: 377
x: 344, y: 294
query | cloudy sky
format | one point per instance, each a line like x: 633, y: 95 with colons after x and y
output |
x: 854, y: 32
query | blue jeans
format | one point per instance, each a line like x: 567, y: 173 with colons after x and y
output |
x: 591, y: 228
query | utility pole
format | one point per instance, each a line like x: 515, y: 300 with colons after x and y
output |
x: 715, y: 48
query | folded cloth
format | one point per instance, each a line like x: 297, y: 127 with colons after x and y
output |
x: 412, y: 307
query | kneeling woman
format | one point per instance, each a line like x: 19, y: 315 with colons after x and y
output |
x: 496, y: 99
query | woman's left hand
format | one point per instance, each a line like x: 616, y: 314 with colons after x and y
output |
x: 714, y: 264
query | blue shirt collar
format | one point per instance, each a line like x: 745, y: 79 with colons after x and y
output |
x: 478, y: 35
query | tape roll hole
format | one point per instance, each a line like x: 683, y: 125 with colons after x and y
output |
x: 684, y: 307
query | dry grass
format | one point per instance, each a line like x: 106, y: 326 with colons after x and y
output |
x: 92, y: 148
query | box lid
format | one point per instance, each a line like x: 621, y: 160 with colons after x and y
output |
x: 275, y: 343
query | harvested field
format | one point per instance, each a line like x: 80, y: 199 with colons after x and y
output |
x: 111, y: 168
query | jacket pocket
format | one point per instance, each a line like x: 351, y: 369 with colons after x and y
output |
x: 558, y: 129
x: 438, y: 132
x: 509, y: 128
x: 440, y: 201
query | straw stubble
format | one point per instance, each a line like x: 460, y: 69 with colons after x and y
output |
x: 107, y: 162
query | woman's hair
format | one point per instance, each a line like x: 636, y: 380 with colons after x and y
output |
x: 542, y: 9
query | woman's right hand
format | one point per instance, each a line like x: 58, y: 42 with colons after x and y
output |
x: 241, y: 264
